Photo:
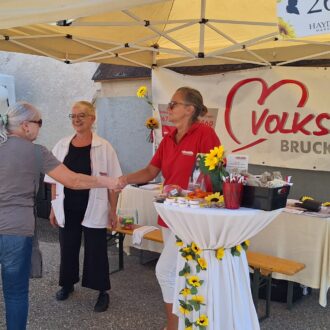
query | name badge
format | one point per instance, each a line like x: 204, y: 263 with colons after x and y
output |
x: 187, y: 153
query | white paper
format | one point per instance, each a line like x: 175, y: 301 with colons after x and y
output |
x: 237, y: 163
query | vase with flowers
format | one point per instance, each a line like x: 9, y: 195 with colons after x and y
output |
x: 213, y: 164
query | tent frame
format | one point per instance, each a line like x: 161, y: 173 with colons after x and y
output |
x: 105, y: 50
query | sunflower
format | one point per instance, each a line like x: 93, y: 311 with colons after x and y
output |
x: 220, y: 253
x: 179, y: 243
x: 185, y: 292
x: 198, y: 299
x: 142, y: 91
x: 202, y: 263
x: 286, y: 29
x: 218, y: 152
x: 236, y: 250
x: 194, y: 281
x: 211, y: 161
x: 151, y: 123
x: 184, y: 311
x: 195, y: 248
x: 186, y: 249
x: 214, y: 198
x: 306, y: 198
x: 202, y: 321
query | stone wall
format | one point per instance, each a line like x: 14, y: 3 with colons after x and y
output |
x: 120, y: 119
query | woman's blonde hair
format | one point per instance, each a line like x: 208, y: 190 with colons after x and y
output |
x: 90, y: 107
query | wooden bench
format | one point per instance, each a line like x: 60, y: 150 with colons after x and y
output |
x: 119, y: 233
x: 263, y: 266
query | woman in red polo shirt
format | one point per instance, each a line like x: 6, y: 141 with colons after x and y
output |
x: 175, y: 158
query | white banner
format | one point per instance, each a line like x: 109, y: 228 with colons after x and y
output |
x: 277, y: 116
x: 303, y: 18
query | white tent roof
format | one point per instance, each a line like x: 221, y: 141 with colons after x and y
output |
x: 163, y: 33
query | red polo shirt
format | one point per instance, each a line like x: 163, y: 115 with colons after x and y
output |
x: 176, y: 161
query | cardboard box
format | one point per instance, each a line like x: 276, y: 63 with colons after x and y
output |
x: 263, y: 198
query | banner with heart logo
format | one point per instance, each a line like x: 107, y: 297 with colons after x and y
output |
x: 277, y: 116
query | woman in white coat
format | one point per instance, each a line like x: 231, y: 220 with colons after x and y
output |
x: 89, y: 212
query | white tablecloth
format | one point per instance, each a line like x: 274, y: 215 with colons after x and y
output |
x: 302, y: 238
x: 227, y: 282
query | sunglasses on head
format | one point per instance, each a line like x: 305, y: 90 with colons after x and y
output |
x: 173, y: 104
x: 39, y: 122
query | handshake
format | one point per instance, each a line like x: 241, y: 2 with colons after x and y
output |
x: 116, y: 184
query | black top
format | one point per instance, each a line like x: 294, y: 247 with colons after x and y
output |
x: 78, y: 160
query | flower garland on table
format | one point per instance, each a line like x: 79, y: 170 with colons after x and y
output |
x: 191, y: 300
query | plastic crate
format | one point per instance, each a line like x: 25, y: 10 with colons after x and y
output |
x: 266, y: 199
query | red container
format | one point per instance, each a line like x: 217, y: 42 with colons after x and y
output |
x: 232, y: 194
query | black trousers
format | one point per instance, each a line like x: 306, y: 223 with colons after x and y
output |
x: 96, y: 265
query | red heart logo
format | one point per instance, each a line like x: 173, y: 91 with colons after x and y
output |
x: 266, y: 91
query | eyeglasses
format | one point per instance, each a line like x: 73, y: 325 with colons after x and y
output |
x: 173, y: 104
x: 39, y: 122
x: 78, y: 116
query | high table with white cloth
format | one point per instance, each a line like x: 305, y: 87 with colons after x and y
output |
x: 304, y: 238
x: 300, y: 237
x: 141, y: 199
x: 226, y: 284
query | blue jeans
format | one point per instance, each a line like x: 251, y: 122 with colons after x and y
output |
x: 15, y: 260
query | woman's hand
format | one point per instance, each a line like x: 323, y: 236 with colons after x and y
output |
x: 113, y: 219
x: 52, y: 218
x: 122, y: 182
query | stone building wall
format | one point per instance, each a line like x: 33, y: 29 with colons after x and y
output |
x: 120, y: 119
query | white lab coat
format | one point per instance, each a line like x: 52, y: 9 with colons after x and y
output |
x: 104, y: 161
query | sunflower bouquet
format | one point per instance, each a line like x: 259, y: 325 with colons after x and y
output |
x: 151, y: 123
x: 213, y: 164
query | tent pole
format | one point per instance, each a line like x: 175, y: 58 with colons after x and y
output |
x: 304, y: 58
x: 202, y: 29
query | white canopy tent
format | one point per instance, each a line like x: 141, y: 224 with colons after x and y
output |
x: 148, y: 33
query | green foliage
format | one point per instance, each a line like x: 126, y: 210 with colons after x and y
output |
x: 185, y: 270
x: 234, y: 252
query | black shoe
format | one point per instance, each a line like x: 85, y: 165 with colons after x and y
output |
x: 63, y: 294
x: 102, y: 303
